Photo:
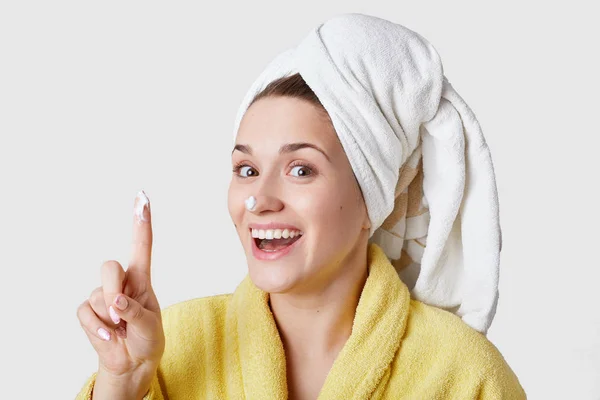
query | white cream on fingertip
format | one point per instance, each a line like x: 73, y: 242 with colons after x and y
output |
x: 141, y: 202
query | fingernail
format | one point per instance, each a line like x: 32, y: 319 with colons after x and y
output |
x: 121, y: 332
x: 113, y: 315
x: 141, y: 207
x: 103, y: 333
x: 121, y: 302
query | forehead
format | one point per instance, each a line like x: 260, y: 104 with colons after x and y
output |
x: 285, y: 119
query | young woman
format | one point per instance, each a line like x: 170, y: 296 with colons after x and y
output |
x: 322, y: 313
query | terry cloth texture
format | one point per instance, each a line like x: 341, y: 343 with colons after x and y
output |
x: 228, y: 347
x: 417, y: 151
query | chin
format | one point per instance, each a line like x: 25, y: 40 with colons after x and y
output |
x: 271, y: 278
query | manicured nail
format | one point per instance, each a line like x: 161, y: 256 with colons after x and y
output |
x: 121, y: 302
x: 141, y: 207
x: 121, y: 332
x: 103, y: 333
x: 113, y: 315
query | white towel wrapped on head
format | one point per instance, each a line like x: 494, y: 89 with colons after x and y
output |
x: 417, y: 151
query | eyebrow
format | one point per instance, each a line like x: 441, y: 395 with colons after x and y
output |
x: 286, y: 148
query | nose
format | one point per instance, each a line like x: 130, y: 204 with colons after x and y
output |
x: 261, y: 203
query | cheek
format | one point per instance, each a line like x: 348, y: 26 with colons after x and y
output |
x: 235, y: 204
x: 328, y: 209
x: 346, y: 212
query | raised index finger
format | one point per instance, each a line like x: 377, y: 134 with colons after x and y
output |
x: 142, y: 234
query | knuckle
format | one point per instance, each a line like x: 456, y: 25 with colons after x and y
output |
x: 143, y: 297
x: 98, y: 304
x: 96, y: 293
x: 110, y: 266
x: 143, y: 243
x: 138, y: 313
x: 81, y: 311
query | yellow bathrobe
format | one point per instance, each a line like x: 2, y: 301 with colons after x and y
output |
x: 228, y: 347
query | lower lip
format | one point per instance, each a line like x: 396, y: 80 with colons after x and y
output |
x: 272, y: 255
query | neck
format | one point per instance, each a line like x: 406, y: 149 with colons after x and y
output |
x: 316, y: 324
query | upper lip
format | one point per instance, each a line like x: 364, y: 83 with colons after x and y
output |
x: 273, y: 225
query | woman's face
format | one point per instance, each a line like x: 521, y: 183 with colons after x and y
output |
x: 299, y: 186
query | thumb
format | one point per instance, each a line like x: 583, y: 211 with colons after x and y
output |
x: 141, y: 319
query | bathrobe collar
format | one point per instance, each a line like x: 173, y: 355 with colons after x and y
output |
x: 378, y: 327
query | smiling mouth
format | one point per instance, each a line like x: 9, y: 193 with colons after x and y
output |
x: 272, y: 245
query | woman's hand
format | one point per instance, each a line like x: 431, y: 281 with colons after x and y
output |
x: 135, y: 344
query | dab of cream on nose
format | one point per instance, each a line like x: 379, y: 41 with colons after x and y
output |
x: 141, y: 202
x: 250, y: 203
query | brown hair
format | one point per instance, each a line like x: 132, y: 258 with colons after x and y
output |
x: 295, y: 86
x: 291, y: 86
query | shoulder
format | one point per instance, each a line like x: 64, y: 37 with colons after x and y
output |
x: 443, y: 339
x: 450, y: 337
x: 443, y: 328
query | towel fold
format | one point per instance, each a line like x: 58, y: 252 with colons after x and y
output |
x: 417, y: 151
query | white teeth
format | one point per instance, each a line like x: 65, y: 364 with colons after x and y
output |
x: 274, y: 233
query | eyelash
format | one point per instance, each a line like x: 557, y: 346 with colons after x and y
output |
x: 242, y: 164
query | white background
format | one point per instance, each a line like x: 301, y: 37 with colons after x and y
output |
x: 101, y: 99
